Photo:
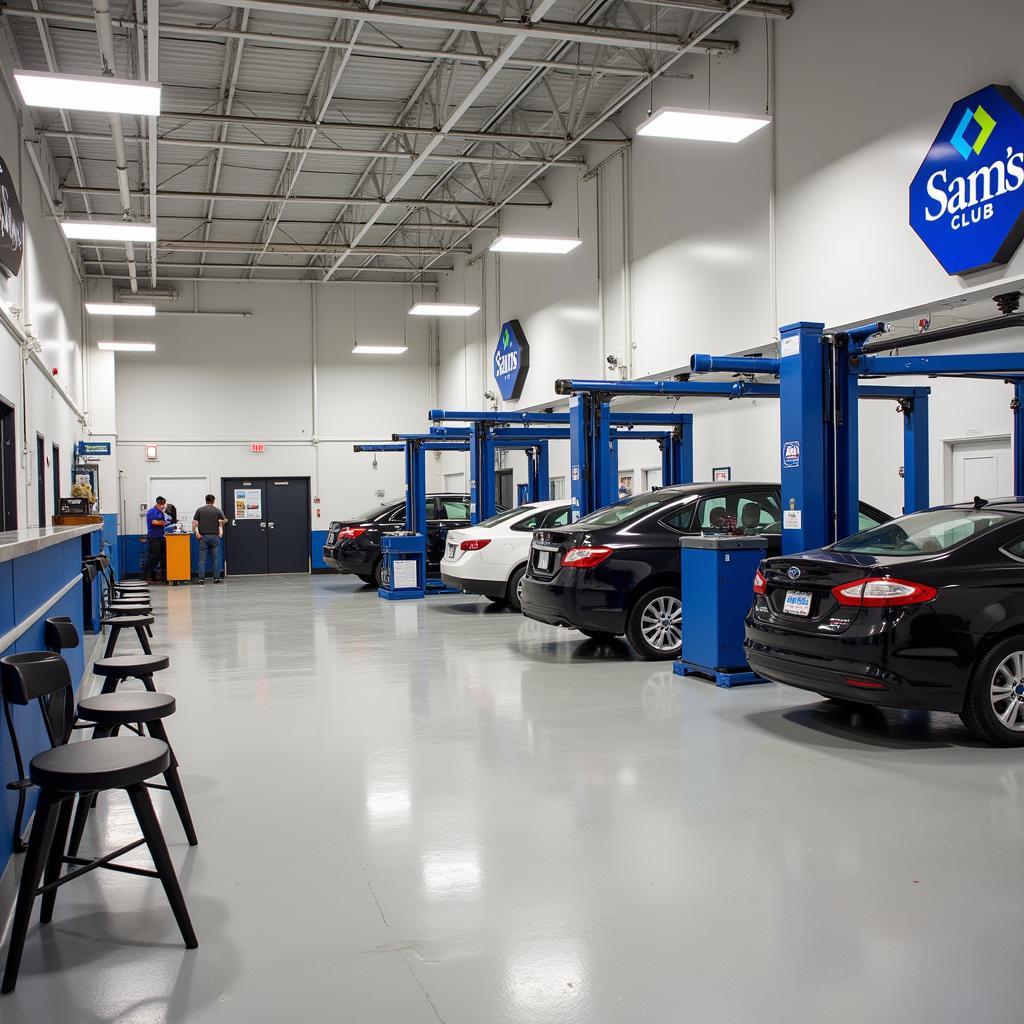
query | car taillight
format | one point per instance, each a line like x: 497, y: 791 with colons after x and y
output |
x: 866, y: 684
x: 474, y: 545
x: 760, y: 583
x: 351, y: 532
x: 882, y: 592
x: 585, y: 558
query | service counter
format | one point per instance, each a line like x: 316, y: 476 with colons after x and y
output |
x: 40, y: 576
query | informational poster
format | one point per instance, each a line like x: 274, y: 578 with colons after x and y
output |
x: 248, y: 503
x: 405, y: 577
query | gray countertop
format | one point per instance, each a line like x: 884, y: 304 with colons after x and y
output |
x: 15, y: 543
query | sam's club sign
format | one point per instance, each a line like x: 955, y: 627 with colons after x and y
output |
x: 967, y: 198
x: 511, y: 360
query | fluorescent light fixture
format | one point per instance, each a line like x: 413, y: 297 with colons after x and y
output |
x: 108, y: 231
x: 379, y: 350
x: 527, y: 243
x: 126, y: 346
x: 442, y: 309
x: 701, y: 125
x: 119, y: 309
x: 101, y: 93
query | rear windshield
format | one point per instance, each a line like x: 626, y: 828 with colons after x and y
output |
x: 627, y: 509
x: 373, y: 513
x: 502, y: 517
x: 922, y: 533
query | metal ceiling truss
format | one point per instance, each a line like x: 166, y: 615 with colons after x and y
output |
x: 507, y: 93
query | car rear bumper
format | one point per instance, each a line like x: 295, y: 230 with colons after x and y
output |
x: 486, y: 588
x: 848, y: 678
x: 573, y: 607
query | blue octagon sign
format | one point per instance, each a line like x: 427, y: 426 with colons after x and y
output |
x: 967, y: 198
x: 511, y: 360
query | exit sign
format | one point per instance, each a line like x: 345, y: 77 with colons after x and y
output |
x: 258, y: 447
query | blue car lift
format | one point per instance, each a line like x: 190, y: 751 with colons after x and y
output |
x: 532, y: 432
x: 411, y: 544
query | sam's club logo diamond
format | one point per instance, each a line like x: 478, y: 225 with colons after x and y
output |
x: 967, y: 198
x: 511, y: 361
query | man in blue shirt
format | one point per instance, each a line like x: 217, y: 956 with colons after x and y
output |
x: 155, y: 524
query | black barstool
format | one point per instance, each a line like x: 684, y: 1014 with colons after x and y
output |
x: 117, y: 669
x: 61, y: 773
x: 107, y: 713
x: 119, y: 622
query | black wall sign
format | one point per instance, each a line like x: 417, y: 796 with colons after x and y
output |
x: 12, y: 225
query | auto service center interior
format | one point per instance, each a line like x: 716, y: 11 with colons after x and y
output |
x: 508, y: 511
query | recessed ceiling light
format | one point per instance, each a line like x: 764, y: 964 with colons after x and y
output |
x: 379, y: 350
x: 527, y: 243
x: 102, y: 93
x: 701, y: 125
x: 108, y: 231
x: 119, y: 309
x: 126, y: 346
x: 443, y: 309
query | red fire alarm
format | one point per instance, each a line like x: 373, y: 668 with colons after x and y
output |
x: 258, y: 447
x: 55, y: 371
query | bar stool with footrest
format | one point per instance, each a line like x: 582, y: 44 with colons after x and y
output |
x: 61, y: 773
x: 107, y: 712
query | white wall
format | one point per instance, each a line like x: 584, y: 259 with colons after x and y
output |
x: 216, y: 384
x: 690, y: 262
x: 43, y: 301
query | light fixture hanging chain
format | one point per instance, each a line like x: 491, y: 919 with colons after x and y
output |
x: 654, y: 28
x: 577, y: 203
x: 767, y: 66
x: 709, y: 79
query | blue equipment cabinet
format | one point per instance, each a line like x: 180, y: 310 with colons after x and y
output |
x: 398, y: 550
x: 718, y: 576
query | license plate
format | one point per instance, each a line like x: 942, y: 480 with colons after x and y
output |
x: 451, y: 550
x: 543, y: 559
x: 798, y: 602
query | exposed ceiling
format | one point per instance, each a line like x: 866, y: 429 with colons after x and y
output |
x: 336, y: 141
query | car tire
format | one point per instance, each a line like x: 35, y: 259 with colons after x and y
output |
x: 654, y: 625
x: 598, y: 634
x: 515, y: 582
x: 378, y: 573
x: 365, y: 578
x: 994, y: 704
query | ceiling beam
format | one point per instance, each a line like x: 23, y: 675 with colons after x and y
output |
x: 185, y: 245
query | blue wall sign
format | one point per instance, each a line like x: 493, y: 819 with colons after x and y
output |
x: 92, y: 448
x: 511, y: 361
x: 791, y: 455
x: 967, y: 198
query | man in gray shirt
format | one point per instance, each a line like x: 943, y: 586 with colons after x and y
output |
x: 208, y: 526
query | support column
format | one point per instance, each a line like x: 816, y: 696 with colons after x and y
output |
x: 916, y: 489
x: 1018, y: 437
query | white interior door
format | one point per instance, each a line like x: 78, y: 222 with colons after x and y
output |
x: 983, y: 468
x: 455, y: 483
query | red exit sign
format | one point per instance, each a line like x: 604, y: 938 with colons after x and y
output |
x: 258, y: 447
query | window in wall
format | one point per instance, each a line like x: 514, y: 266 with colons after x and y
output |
x: 41, y: 478
x: 55, y: 475
x: 556, y: 487
x: 8, y: 468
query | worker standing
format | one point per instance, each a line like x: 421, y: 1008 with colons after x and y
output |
x: 208, y: 526
x: 156, y: 522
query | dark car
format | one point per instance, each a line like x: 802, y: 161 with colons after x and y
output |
x: 353, y: 545
x: 924, y: 612
x: 616, y: 571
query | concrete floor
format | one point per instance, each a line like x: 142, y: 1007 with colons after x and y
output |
x: 438, y: 811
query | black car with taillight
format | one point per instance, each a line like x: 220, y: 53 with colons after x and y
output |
x: 353, y: 545
x: 926, y: 611
x: 616, y: 571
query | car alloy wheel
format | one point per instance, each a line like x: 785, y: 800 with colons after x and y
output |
x: 654, y: 626
x: 1006, y: 692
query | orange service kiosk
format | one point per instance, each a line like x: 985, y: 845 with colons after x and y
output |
x: 179, y: 557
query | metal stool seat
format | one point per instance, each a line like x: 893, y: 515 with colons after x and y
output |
x: 117, y: 669
x: 126, y: 707
x: 93, y: 765
x: 120, y: 622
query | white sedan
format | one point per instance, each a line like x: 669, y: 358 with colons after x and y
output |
x: 490, y: 558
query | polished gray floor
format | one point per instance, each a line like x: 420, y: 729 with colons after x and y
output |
x: 436, y: 811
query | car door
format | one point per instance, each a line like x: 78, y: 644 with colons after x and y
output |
x: 449, y: 512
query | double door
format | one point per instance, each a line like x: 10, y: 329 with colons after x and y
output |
x: 268, y: 525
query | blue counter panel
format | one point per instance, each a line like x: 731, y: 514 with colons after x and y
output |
x: 132, y: 552
x: 26, y: 584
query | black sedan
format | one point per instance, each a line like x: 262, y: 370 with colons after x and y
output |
x: 353, y: 545
x: 924, y: 612
x: 616, y: 571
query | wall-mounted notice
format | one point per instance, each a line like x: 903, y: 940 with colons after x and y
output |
x: 248, y: 504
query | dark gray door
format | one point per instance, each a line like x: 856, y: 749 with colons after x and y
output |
x: 504, y: 494
x: 246, y: 551
x: 288, y: 523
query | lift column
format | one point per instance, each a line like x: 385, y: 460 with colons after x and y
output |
x: 807, y: 438
x: 915, y: 452
x: 1018, y: 437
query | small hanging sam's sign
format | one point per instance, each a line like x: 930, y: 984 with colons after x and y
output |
x: 12, y: 225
